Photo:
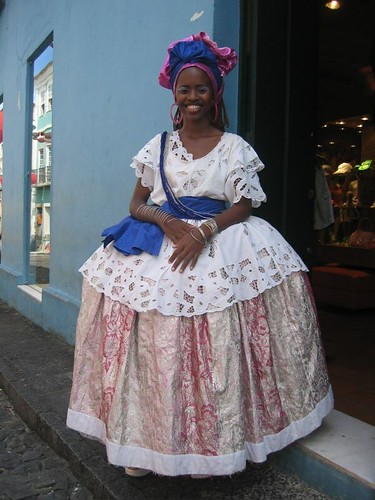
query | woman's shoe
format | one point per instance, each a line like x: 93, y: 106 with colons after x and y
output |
x: 200, y: 476
x: 136, y: 471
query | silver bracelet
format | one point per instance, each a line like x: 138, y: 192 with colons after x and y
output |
x: 159, y: 215
x: 162, y: 217
x: 168, y: 219
x: 141, y: 206
x: 203, y: 234
x: 195, y: 238
x: 211, y: 224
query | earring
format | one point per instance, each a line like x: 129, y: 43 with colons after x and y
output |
x: 216, y: 113
x: 173, y: 118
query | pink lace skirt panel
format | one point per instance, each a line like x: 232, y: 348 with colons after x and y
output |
x: 238, y: 384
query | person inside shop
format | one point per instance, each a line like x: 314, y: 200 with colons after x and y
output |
x: 348, y: 216
x: 338, y: 197
x: 323, y: 210
x: 351, y: 181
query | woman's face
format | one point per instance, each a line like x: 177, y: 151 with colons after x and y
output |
x: 194, y: 94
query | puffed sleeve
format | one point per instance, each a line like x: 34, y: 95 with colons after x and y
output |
x: 242, y: 174
x: 146, y: 162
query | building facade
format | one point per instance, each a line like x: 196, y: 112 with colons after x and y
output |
x: 80, y: 96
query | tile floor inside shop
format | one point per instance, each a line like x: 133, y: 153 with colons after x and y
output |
x: 349, y: 341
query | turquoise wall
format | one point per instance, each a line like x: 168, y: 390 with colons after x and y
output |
x: 106, y: 104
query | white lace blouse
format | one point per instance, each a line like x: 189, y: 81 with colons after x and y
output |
x: 227, y: 172
x: 238, y: 264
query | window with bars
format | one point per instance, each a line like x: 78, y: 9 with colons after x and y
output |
x: 41, y: 158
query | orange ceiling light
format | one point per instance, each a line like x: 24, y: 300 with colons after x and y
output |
x: 333, y: 5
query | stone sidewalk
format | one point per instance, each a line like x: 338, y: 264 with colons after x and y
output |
x: 36, y: 374
x: 29, y: 468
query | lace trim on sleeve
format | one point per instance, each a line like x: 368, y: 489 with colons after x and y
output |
x: 242, y: 179
x: 146, y: 162
x: 244, y: 182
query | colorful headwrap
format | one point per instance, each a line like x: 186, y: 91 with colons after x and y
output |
x: 200, y: 51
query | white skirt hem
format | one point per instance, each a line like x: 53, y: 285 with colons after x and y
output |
x: 175, y: 465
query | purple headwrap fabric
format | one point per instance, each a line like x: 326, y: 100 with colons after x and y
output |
x: 200, y: 51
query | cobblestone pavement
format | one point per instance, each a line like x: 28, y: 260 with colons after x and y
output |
x: 29, y: 468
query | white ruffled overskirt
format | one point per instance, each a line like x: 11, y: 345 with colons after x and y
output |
x: 240, y: 263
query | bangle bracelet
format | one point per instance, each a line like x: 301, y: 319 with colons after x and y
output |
x: 141, y: 206
x: 169, y: 219
x: 195, y: 238
x: 211, y: 224
x: 203, y: 234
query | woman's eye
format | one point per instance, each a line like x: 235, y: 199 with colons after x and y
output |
x: 203, y: 90
x: 182, y: 90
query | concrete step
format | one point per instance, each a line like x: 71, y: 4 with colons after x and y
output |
x: 337, y: 459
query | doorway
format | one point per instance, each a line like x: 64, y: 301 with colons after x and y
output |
x: 345, y: 143
x: 303, y: 73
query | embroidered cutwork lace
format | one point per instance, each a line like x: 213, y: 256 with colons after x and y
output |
x: 241, y: 262
x: 238, y: 264
x: 198, y: 372
x: 228, y: 172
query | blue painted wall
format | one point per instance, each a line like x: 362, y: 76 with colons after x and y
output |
x: 106, y: 104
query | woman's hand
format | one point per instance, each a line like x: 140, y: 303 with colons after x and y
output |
x: 176, y: 229
x: 187, y: 250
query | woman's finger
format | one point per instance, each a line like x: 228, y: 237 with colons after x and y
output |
x: 176, y: 262
x: 194, y: 261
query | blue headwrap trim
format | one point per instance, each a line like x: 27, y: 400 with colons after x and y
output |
x: 190, y: 52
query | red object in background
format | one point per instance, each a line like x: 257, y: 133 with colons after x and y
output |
x: 34, y: 178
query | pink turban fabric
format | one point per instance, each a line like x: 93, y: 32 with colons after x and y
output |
x: 200, y: 51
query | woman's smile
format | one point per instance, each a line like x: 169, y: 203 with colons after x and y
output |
x: 193, y: 107
x: 194, y: 94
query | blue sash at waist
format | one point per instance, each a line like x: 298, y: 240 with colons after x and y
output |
x: 132, y: 236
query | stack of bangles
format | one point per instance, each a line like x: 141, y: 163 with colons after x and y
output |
x: 212, y: 227
x: 161, y: 217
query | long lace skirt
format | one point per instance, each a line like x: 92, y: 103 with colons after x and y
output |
x: 200, y: 394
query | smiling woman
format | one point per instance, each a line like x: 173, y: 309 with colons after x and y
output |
x: 212, y: 61
x: 194, y: 97
x: 189, y: 304
x: 194, y: 93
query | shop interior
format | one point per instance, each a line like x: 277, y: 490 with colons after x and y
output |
x: 343, y: 278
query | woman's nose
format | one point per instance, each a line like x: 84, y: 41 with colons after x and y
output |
x: 193, y: 95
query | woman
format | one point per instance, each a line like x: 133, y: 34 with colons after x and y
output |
x: 198, y: 346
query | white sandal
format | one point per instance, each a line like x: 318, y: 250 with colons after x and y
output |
x: 136, y: 471
x: 200, y: 476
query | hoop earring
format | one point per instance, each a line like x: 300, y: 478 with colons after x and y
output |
x: 216, y: 113
x: 173, y: 118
